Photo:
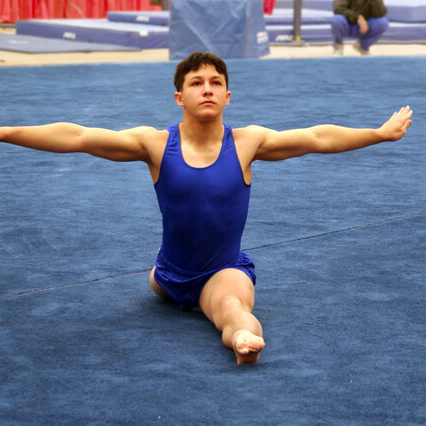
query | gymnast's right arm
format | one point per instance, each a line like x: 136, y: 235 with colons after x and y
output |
x: 124, y: 145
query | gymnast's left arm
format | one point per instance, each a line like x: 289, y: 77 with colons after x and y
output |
x: 329, y: 139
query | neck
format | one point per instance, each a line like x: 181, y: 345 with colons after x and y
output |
x: 201, y: 132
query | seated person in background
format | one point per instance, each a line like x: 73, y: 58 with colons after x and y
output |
x: 361, y: 19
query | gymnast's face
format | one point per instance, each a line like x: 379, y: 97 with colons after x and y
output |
x: 204, y: 92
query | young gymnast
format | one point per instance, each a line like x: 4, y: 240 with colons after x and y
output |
x: 201, y: 169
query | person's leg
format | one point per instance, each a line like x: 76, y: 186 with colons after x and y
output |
x: 156, y: 287
x: 227, y: 300
x: 376, y: 28
x: 339, y: 29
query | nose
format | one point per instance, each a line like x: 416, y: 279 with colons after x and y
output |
x: 207, y: 89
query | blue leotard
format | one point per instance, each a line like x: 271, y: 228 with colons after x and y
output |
x: 204, y: 209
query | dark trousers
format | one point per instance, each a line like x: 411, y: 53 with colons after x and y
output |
x: 341, y: 27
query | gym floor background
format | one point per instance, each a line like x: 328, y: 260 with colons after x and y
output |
x: 338, y: 241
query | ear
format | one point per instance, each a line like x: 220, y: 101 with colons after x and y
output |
x: 228, y: 97
x: 179, y: 99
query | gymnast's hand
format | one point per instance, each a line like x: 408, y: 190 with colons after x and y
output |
x: 395, y: 128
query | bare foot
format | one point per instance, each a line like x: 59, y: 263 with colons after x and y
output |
x: 247, y: 346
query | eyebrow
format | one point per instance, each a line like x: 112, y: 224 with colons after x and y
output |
x: 216, y: 76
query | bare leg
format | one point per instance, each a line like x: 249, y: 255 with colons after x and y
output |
x: 156, y: 287
x: 228, y: 300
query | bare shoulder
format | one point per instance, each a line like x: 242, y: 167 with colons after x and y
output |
x: 147, y: 134
x: 151, y: 144
x: 252, y: 131
x: 250, y: 137
x: 151, y: 140
x: 247, y: 140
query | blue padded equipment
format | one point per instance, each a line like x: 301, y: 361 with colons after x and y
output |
x: 141, y: 17
x: 98, y: 31
x: 34, y: 44
x: 228, y: 28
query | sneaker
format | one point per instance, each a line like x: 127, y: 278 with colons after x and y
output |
x: 360, y: 50
x: 338, y: 50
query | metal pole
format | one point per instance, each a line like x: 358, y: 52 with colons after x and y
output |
x: 297, y: 20
x: 163, y: 3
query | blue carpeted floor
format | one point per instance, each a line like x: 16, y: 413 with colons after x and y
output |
x: 338, y: 241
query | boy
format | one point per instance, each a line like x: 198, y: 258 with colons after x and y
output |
x: 201, y: 169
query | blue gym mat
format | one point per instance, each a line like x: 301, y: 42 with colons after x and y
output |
x: 397, y: 32
x: 313, y: 12
x: 338, y: 241
x: 398, y: 10
x: 141, y: 17
x: 31, y: 44
x: 141, y: 36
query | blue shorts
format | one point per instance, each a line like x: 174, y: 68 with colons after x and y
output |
x: 185, y: 286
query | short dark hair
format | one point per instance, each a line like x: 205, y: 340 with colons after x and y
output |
x: 193, y: 63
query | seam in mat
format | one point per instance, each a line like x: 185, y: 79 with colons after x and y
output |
x: 60, y: 287
x: 310, y: 237
x: 338, y: 231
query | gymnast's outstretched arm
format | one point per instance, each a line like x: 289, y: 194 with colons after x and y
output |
x: 125, y: 145
x: 327, y: 139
